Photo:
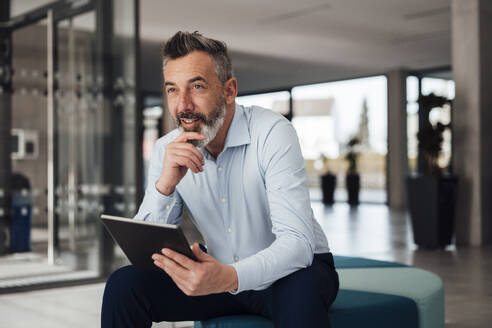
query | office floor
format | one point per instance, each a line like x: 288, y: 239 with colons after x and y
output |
x: 370, y: 230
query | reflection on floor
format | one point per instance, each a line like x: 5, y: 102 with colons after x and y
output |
x: 373, y: 196
x: 22, y: 265
x: 370, y: 230
x: 19, y: 270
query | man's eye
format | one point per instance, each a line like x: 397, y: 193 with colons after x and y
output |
x: 171, y: 90
x: 197, y: 86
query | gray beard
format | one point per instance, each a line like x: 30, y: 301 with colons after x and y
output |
x: 210, y: 128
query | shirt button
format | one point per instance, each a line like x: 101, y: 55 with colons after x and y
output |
x: 224, y: 200
x: 236, y: 258
x: 229, y: 230
x: 219, y: 169
x: 168, y: 207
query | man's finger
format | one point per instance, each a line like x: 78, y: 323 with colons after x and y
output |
x: 180, y: 282
x: 189, y: 147
x: 185, y: 136
x: 170, y: 266
x: 175, y: 267
x: 186, y: 161
x: 200, y: 255
x: 186, y: 153
x: 181, y: 259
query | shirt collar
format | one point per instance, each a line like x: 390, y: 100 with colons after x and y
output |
x: 238, y: 133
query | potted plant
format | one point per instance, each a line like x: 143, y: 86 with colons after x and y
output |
x: 432, y: 192
x: 328, y: 182
x: 352, y: 178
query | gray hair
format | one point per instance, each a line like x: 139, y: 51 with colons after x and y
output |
x: 183, y: 43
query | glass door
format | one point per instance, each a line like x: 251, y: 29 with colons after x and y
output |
x: 55, y: 162
x: 69, y: 114
x: 25, y: 247
x: 77, y: 144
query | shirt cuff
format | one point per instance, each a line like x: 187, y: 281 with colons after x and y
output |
x: 247, y: 277
x: 161, y: 205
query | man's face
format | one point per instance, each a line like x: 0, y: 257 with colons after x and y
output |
x: 195, y: 95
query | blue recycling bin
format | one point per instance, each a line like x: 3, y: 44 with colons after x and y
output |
x: 20, y: 229
x: 20, y: 233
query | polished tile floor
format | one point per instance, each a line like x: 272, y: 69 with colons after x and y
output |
x: 371, y: 231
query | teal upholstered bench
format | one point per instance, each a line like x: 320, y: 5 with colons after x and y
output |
x: 384, y: 294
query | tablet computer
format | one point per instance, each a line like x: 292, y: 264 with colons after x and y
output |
x: 140, y: 239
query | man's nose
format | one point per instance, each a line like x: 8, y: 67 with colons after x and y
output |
x: 185, y: 102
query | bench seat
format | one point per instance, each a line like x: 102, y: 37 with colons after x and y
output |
x: 382, y: 293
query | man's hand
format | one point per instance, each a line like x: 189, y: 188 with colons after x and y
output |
x: 208, y: 276
x: 179, y: 157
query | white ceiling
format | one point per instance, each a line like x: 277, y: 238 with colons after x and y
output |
x: 370, y: 36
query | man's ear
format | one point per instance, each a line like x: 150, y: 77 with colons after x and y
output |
x: 230, y: 90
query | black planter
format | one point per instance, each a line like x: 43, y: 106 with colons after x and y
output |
x: 431, y: 202
x: 328, y: 184
x: 352, y: 182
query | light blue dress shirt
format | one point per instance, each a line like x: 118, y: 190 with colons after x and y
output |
x: 251, y: 204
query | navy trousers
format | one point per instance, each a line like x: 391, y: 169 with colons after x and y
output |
x: 135, y: 297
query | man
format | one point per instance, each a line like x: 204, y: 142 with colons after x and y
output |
x: 240, y: 173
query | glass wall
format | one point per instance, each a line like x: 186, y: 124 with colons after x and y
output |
x: 444, y: 88
x: 327, y: 116
x: 276, y: 101
x: 426, y: 85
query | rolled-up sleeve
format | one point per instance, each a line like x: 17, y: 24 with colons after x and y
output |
x: 290, y: 212
x: 156, y: 206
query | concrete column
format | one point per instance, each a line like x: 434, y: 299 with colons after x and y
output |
x: 397, y: 161
x: 472, y: 114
